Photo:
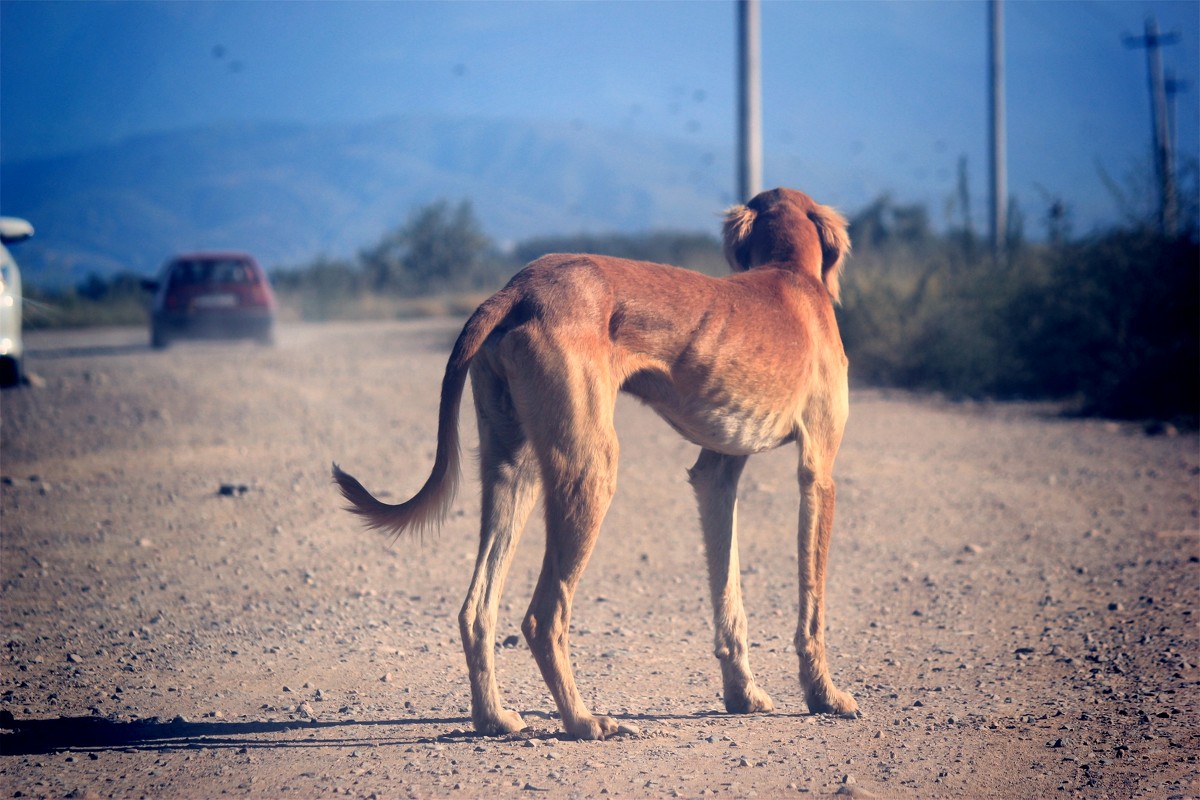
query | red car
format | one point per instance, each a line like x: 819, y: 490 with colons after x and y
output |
x: 212, y: 295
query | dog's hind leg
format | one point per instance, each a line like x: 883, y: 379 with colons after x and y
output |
x: 577, y: 446
x: 817, y: 498
x: 715, y: 480
x: 509, y: 476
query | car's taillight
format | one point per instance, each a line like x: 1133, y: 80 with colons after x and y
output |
x: 256, y: 294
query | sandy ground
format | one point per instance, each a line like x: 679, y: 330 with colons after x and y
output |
x: 187, y: 612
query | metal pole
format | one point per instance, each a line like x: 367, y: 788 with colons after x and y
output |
x: 999, y: 167
x: 1164, y: 164
x: 1163, y: 160
x: 749, y: 101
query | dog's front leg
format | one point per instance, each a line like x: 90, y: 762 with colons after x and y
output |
x: 715, y: 480
x: 816, y: 528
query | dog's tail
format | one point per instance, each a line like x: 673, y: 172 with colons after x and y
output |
x: 427, y: 508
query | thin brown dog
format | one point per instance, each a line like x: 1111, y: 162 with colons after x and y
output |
x: 738, y: 365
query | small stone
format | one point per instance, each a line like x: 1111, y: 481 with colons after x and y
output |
x: 628, y: 729
x: 74, y: 658
x: 512, y: 641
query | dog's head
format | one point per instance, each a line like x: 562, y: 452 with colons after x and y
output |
x: 786, y: 228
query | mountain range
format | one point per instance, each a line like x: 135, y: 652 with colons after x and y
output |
x: 293, y: 193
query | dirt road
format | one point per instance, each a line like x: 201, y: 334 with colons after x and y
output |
x: 187, y: 612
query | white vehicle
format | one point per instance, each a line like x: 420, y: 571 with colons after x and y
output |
x: 11, y: 350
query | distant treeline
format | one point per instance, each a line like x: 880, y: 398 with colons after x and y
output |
x: 1107, y: 322
x: 441, y: 250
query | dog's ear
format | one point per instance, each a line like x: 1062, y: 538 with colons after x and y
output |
x: 736, y: 234
x: 835, y: 246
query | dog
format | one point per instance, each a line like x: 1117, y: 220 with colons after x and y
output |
x: 739, y: 365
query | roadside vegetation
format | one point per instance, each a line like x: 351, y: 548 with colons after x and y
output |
x: 1106, y: 322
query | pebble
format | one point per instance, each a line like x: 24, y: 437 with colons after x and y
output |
x: 628, y: 729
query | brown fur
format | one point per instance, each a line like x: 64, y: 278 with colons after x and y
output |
x: 738, y: 365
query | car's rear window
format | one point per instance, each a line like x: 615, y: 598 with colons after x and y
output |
x: 190, y: 273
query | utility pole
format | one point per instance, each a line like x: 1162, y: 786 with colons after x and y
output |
x: 749, y: 102
x: 996, y: 129
x: 1173, y: 86
x: 1164, y: 162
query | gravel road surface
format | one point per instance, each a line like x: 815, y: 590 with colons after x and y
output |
x: 187, y: 612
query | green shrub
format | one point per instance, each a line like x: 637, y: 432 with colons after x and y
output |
x: 1108, y: 323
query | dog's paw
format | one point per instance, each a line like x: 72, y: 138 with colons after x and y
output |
x: 749, y: 700
x: 591, y: 728
x: 833, y: 701
x: 503, y: 723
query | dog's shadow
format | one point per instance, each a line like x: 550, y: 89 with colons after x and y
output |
x: 42, y: 736
x: 98, y: 734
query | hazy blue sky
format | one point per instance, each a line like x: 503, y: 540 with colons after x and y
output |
x: 859, y: 97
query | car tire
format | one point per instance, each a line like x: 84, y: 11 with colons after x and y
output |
x: 10, y: 372
x: 158, y: 338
